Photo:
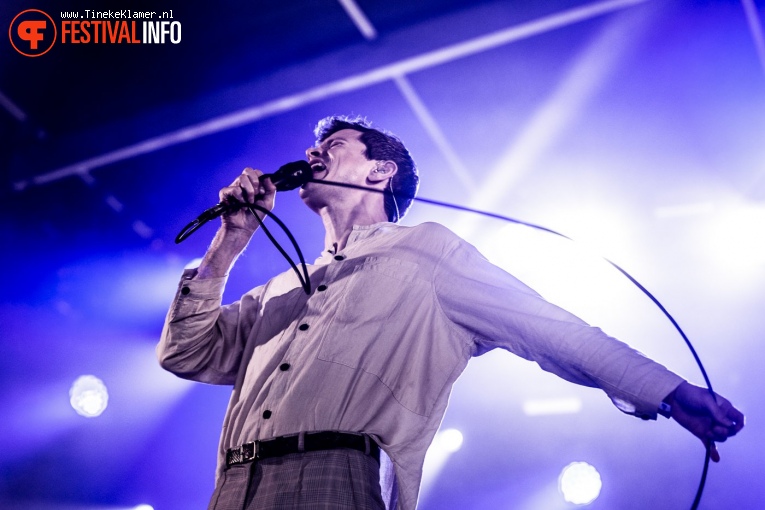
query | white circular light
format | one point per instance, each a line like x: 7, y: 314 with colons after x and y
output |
x: 579, y: 483
x: 88, y: 396
x: 144, y: 507
x: 450, y: 440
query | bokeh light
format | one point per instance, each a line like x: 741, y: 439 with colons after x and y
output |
x: 88, y: 396
x: 450, y: 440
x: 579, y: 483
x: 193, y: 263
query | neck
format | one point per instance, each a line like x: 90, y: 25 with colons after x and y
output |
x: 339, y: 222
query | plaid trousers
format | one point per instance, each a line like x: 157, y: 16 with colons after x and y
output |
x: 340, y: 479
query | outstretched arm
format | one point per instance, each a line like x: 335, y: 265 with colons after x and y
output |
x: 711, y: 419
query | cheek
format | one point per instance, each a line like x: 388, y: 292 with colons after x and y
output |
x: 345, y: 164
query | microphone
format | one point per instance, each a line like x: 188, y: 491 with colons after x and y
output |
x: 286, y: 178
x: 290, y: 176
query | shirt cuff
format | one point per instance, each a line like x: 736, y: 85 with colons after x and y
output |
x: 191, y: 287
x: 662, y: 384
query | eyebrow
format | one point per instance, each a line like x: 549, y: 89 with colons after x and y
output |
x: 331, y: 138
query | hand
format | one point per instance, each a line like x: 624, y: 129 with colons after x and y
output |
x: 706, y: 418
x: 247, y: 189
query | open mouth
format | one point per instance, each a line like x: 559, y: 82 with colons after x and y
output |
x: 316, y: 167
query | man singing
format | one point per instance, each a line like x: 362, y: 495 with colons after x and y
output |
x: 338, y: 394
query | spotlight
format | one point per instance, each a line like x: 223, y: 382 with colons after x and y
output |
x: 450, y: 440
x: 193, y: 264
x: 445, y: 443
x: 541, y: 407
x: 144, y: 507
x: 88, y: 396
x: 579, y: 483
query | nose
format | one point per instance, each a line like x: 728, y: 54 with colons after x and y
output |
x: 312, y: 152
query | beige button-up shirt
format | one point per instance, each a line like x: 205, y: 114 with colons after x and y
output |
x: 389, y: 326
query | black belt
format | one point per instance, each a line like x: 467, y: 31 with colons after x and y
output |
x: 311, y: 442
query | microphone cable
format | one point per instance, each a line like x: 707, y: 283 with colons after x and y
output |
x: 305, y: 280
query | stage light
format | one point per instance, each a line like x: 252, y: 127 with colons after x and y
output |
x: 144, y: 507
x: 726, y: 235
x: 445, y: 443
x: 449, y: 440
x: 88, y: 396
x: 579, y: 483
x: 570, y: 274
x: 542, y: 407
x: 193, y: 264
x: 733, y: 241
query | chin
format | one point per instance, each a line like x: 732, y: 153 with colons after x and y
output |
x: 309, y: 188
x: 309, y: 196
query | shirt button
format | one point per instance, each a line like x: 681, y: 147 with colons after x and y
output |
x: 284, y: 367
x: 266, y: 414
x: 339, y: 257
x: 185, y: 290
x: 303, y: 327
x: 321, y: 288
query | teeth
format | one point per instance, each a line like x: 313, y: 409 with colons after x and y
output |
x: 318, y: 167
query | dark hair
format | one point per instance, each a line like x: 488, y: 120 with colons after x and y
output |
x: 381, y: 146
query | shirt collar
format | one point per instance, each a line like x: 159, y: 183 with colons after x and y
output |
x: 358, y: 233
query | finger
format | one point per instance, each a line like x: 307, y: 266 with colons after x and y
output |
x: 231, y: 194
x: 738, y: 419
x: 720, y: 434
x: 714, y: 455
x: 268, y: 186
x: 263, y: 186
x: 239, y: 189
x: 249, y: 184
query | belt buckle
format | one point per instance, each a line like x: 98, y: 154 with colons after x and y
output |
x: 249, y: 451
x: 241, y: 454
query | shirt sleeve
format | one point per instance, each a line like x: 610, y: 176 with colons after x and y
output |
x: 202, y: 340
x: 500, y: 311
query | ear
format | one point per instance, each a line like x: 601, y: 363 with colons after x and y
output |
x: 382, y: 171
